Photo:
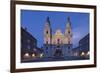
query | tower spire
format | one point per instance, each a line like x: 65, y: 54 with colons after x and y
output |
x: 47, y: 32
x: 68, y: 23
x: 68, y: 31
x: 68, y: 19
x: 48, y: 20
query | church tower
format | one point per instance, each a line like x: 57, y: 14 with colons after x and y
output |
x: 68, y: 32
x: 68, y: 38
x: 47, y: 32
x: 47, y: 39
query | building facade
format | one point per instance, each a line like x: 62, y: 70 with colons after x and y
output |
x: 29, y: 47
x: 84, y: 46
x: 58, y: 44
x: 76, y: 51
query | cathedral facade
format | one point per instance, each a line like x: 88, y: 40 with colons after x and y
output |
x: 58, y: 44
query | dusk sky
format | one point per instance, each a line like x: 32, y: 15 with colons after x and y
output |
x: 34, y: 21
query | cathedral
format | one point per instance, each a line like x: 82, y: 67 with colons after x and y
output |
x: 58, y: 44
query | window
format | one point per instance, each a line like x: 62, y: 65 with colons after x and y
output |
x: 28, y: 41
x: 69, y: 32
x: 46, y: 32
x: 68, y: 47
x: 28, y: 47
x: 58, y: 41
x: 46, y: 42
x: 46, y: 48
x: 58, y: 46
x: 46, y: 51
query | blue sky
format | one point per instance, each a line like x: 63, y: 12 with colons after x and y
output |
x: 34, y: 21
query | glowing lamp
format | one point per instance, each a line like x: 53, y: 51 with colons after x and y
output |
x: 82, y: 54
x: 33, y: 55
x: 41, y: 55
x: 26, y: 55
x: 88, y: 53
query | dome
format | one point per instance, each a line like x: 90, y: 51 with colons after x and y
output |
x: 58, y: 32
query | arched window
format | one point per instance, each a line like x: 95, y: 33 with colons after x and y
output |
x: 46, y: 42
x: 58, y: 41
x: 46, y: 32
x: 68, y: 32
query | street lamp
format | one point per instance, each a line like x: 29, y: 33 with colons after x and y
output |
x: 26, y: 55
x: 33, y: 55
x: 41, y: 55
x: 82, y: 54
x: 88, y: 53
